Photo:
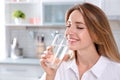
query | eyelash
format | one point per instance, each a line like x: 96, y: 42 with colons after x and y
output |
x: 80, y: 28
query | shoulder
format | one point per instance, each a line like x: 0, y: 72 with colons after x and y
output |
x: 110, y: 62
x: 113, y: 68
x: 114, y: 65
x: 107, y: 69
x: 108, y: 65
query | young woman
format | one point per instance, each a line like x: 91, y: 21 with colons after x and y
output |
x: 96, y: 55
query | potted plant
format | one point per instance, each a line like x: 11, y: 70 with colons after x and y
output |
x: 18, y: 15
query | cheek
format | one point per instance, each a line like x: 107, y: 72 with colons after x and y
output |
x: 85, y: 39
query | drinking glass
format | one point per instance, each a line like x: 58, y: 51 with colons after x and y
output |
x: 59, y: 46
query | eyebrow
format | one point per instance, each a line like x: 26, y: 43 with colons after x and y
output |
x: 79, y: 22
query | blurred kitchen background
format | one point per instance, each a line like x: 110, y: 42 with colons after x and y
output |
x: 22, y: 41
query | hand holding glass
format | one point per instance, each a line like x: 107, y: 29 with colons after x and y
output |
x: 59, y: 50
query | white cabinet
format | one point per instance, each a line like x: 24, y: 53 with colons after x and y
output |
x: 111, y: 8
x: 54, y: 14
x: 31, y: 8
x: 39, y: 11
x: 53, y: 11
x: 20, y: 71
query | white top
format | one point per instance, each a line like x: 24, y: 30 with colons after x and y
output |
x: 104, y: 69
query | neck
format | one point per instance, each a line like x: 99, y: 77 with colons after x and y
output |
x: 87, y: 58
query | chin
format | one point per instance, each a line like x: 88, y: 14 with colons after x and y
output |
x: 72, y: 48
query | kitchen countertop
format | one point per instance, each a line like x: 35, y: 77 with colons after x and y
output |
x: 22, y: 61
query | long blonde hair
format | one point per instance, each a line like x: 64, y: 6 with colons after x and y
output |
x: 99, y: 29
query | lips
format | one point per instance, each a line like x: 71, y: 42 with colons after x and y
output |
x: 72, y: 39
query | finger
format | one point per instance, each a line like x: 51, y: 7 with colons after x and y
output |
x: 48, y: 52
x: 45, y: 56
x: 42, y: 63
x: 50, y: 48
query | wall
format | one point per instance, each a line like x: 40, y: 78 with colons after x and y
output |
x: 27, y: 38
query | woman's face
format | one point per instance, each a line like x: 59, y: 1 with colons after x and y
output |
x: 77, y: 33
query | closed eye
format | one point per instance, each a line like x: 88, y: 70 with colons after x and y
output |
x: 80, y: 28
